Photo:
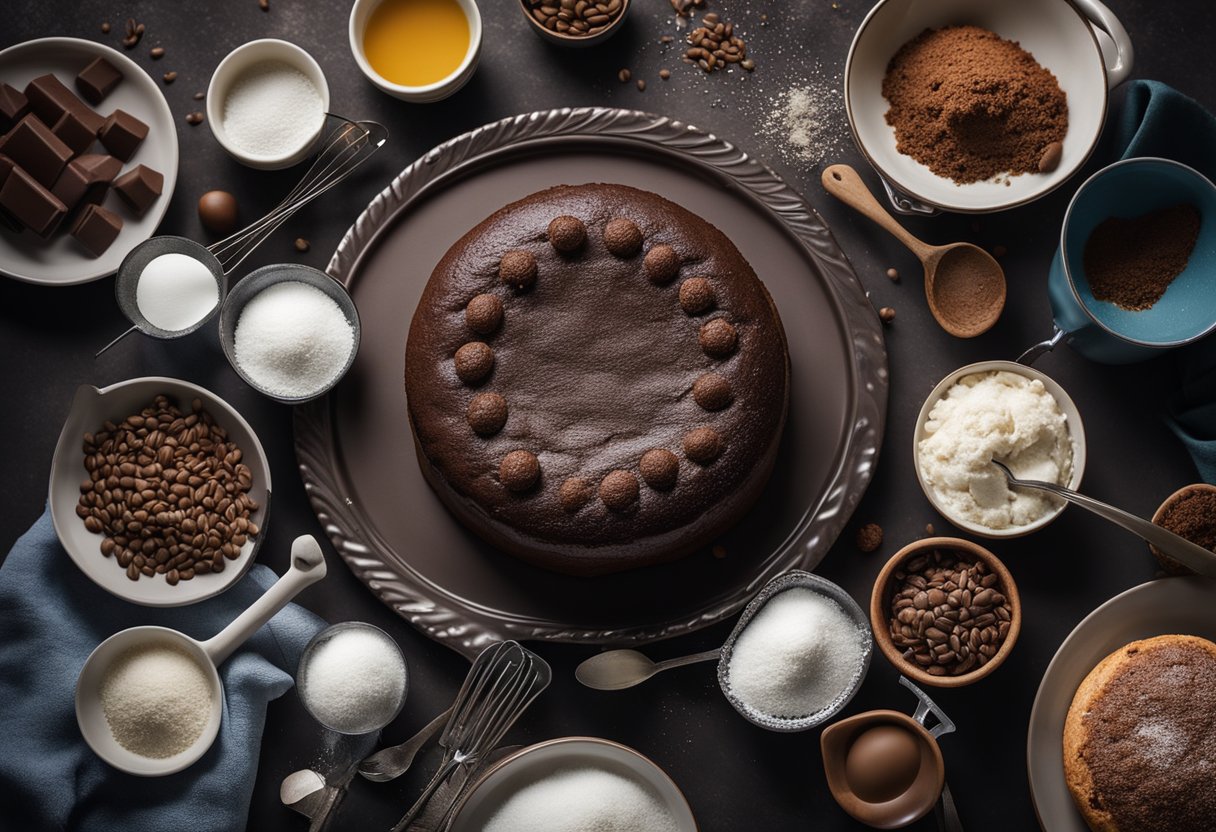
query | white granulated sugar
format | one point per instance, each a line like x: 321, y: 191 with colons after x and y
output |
x: 995, y: 415
x: 805, y: 122
x: 292, y: 339
x: 176, y: 291
x: 157, y: 700
x: 798, y: 655
x: 272, y: 109
x: 583, y: 800
x: 353, y: 681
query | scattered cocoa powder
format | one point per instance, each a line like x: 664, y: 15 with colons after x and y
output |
x: 970, y: 105
x: 1193, y: 516
x: 869, y: 537
x: 1130, y: 262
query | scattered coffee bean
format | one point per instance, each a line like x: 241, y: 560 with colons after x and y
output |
x: 157, y: 52
x: 886, y: 314
x: 641, y: 85
x: 302, y: 244
x: 194, y: 118
x: 170, y: 77
x: 135, y: 31
x: 264, y: 5
x: 893, y: 274
x: 199, y: 96
x: 714, y: 45
x: 105, y: 28
x: 929, y: 528
x: 168, y: 491
x: 869, y: 537
x: 666, y: 39
x: 664, y: 74
x: 686, y: 8
x: 947, y: 612
x: 624, y: 75
x: 576, y: 18
x: 1050, y: 160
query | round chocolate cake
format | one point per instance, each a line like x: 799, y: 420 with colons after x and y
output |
x: 1140, y: 741
x: 597, y: 380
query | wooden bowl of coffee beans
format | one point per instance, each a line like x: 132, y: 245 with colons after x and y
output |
x: 571, y: 23
x: 945, y: 612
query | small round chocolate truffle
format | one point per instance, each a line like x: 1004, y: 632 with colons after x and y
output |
x: 474, y: 361
x: 217, y: 211
x: 483, y: 314
x: 696, y: 295
x: 711, y: 391
x: 623, y: 237
x: 487, y: 413
x: 659, y: 468
x: 718, y: 338
x: 575, y: 493
x: 702, y: 445
x: 662, y: 264
x: 519, y: 470
x: 567, y: 234
x: 619, y: 490
x: 518, y: 270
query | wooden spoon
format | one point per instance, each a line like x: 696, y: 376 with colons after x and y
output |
x: 964, y: 285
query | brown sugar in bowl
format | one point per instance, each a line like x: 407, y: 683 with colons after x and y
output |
x: 880, y: 600
x: 1170, y: 565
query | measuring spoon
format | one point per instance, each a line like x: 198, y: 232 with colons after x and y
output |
x: 307, y: 567
x: 964, y: 285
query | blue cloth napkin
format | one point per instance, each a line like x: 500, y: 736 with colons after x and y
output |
x: 51, y: 618
x: 1157, y: 120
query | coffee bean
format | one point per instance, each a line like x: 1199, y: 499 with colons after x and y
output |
x: 105, y: 28
x: 157, y: 53
x: 194, y: 118
x: 886, y: 314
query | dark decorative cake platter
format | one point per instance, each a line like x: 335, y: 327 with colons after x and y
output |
x: 358, y: 459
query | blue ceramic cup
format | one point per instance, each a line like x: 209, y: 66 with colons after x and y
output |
x: 1100, y: 330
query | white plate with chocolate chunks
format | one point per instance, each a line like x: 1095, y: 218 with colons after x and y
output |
x: 88, y: 160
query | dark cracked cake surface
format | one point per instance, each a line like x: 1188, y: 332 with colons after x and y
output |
x: 597, y: 380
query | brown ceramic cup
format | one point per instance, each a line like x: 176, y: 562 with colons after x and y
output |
x: 880, y: 610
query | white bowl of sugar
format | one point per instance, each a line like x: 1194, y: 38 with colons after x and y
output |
x: 266, y: 103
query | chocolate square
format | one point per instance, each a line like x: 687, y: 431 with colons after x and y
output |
x: 139, y: 187
x: 97, y: 80
x: 72, y: 185
x: 50, y: 99
x: 13, y: 106
x: 33, y: 146
x: 101, y: 168
x: 74, y: 133
x: 96, y: 228
x: 30, y: 203
x: 122, y: 133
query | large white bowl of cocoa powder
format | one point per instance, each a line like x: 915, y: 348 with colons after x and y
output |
x: 979, y: 107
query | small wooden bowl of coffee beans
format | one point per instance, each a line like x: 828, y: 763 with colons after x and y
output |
x: 575, y: 22
x: 945, y: 612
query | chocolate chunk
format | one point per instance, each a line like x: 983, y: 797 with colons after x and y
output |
x: 122, y: 133
x: 519, y: 470
x: 97, y: 80
x: 6, y: 219
x: 72, y: 185
x: 487, y: 413
x: 30, y: 203
x: 96, y: 228
x: 696, y: 295
x: 662, y: 264
x: 718, y: 338
x: 622, y: 237
x: 139, y: 187
x: 6, y: 167
x: 33, y: 146
x: 474, y: 361
x: 712, y: 391
x: 567, y: 234
x: 619, y: 490
x: 13, y: 106
x: 100, y: 167
x: 74, y: 133
x: 660, y: 468
x: 702, y: 445
x: 518, y: 269
x: 50, y: 99
x: 483, y: 314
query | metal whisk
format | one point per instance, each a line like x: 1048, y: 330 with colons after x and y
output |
x: 488, y: 705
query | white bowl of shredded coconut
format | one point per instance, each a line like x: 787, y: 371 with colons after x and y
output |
x: 266, y: 103
x: 1005, y: 411
x: 574, y: 784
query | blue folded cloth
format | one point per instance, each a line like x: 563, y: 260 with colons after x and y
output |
x: 51, y: 618
x: 1157, y: 120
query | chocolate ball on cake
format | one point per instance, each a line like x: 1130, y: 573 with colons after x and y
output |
x: 657, y: 433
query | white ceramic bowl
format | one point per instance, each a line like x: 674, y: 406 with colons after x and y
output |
x: 359, y: 14
x: 1063, y: 36
x: 90, y: 408
x: 1076, y: 432
x: 234, y: 65
x: 535, y: 762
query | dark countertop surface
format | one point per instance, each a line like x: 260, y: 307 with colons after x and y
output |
x: 736, y: 776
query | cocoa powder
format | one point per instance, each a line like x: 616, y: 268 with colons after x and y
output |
x: 1131, y: 262
x: 1192, y: 515
x: 970, y: 106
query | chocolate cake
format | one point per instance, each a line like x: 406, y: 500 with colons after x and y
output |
x: 597, y: 380
x: 1140, y: 741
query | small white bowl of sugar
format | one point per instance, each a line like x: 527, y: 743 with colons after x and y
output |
x: 266, y: 103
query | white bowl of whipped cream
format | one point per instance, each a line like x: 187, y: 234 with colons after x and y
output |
x: 1005, y: 411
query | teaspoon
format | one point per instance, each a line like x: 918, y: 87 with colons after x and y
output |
x: 620, y: 669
